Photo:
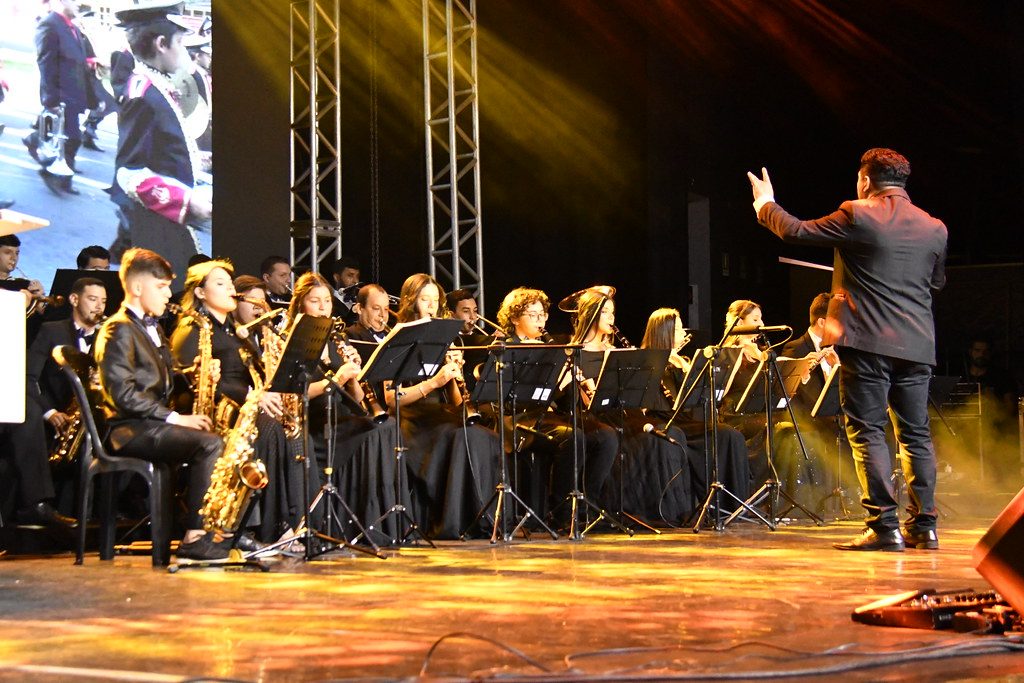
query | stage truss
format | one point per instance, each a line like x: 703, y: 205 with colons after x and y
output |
x: 450, y: 104
x: 315, y: 217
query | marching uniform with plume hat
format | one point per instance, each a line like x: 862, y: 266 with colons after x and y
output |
x: 158, y: 166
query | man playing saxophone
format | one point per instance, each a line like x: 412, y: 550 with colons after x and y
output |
x: 47, y: 385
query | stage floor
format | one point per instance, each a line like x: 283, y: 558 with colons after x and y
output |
x: 744, y: 600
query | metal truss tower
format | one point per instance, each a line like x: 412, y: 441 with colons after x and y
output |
x: 452, y: 118
x: 315, y: 133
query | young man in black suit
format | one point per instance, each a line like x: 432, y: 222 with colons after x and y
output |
x: 135, y: 373
x: 889, y: 258
x: 46, y: 383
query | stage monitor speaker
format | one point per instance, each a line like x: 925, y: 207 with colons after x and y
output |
x: 999, y: 555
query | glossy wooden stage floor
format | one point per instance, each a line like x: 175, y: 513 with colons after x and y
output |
x: 744, y: 600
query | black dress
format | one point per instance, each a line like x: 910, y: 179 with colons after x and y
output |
x: 652, y: 479
x: 733, y: 464
x: 364, y: 462
x: 453, y: 467
x: 281, y: 502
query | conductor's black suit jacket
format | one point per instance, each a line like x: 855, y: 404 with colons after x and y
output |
x: 889, y: 258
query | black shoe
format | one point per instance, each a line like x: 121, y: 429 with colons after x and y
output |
x: 6, y: 203
x: 31, y: 145
x: 67, y: 187
x: 889, y: 541
x: 53, y: 183
x: 204, y: 548
x: 247, y: 543
x: 921, y: 539
x: 43, y: 514
x: 89, y: 142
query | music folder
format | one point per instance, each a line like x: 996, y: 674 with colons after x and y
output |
x: 752, y: 394
x: 411, y: 351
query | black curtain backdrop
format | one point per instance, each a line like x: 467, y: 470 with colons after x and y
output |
x: 598, y: 121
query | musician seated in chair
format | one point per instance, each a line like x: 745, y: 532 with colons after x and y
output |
x: 135, y: 373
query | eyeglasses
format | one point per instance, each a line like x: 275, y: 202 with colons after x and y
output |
x: 535, y: 316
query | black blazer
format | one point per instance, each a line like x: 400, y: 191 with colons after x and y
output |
x: 63, y: 74
x: 889, y: 258
x: 47, y: 385
x: 135, y: 376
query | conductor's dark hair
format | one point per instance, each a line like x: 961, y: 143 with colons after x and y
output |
x: 91, y: 252
x: 885, y: 167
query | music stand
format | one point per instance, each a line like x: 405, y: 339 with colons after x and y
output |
x: 700, y: 386
x: 780, y: 386
x: 299, y: 359
x: 411, y: 351
x: 65, y: 278
x: 528, y: 373
x: 826, y: 406
x: 629, y: 378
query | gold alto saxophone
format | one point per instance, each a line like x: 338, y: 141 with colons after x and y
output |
x: 371, y: 406
x: 291, y: 404
x: 236, y: 474
x: 223, y: 412
x: 69, y: 437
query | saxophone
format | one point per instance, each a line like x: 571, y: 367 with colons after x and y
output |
x: 273, y: 348
x: 223, y: 412
x: 69, y: 437
x: 236, y: 475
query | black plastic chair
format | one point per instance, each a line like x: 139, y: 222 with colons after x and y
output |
x: 94, y: 459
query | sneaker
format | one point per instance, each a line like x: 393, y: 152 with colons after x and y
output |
x: 204, y: 548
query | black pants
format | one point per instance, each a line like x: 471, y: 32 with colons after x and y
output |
x: 871, y: 386
x: 166, y: 443
x: 26, y: 444
x: 152, y: 231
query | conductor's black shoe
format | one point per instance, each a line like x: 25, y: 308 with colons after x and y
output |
x: 43, y: 514
x: 921, y: 539
x: 204, y: 548
x: 6, y: 203
x: 53, y: 183
x: 889, y: 541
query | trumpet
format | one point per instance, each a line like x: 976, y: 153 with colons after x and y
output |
x: 50, y: 150
x: 41, y: 302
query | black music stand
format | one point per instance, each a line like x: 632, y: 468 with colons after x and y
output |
x: 774, y: 391
x: 629, y: 378
x: 411, y: 351
x: 701, y: 387
x: 65, y: 278
x: 576, y: 497
x: 299, y: 360
x: 827, y: 407
x: 528, y: 373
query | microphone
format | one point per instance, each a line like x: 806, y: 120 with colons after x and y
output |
x: 759, y: 329
x: 660, y: 433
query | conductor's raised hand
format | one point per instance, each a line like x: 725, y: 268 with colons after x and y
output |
x: 762, y: 187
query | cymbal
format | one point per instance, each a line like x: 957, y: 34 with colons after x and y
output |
x: 571, y: 303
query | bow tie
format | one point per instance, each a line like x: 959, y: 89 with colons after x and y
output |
x: 87, y: 336
x: 150, y: 320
